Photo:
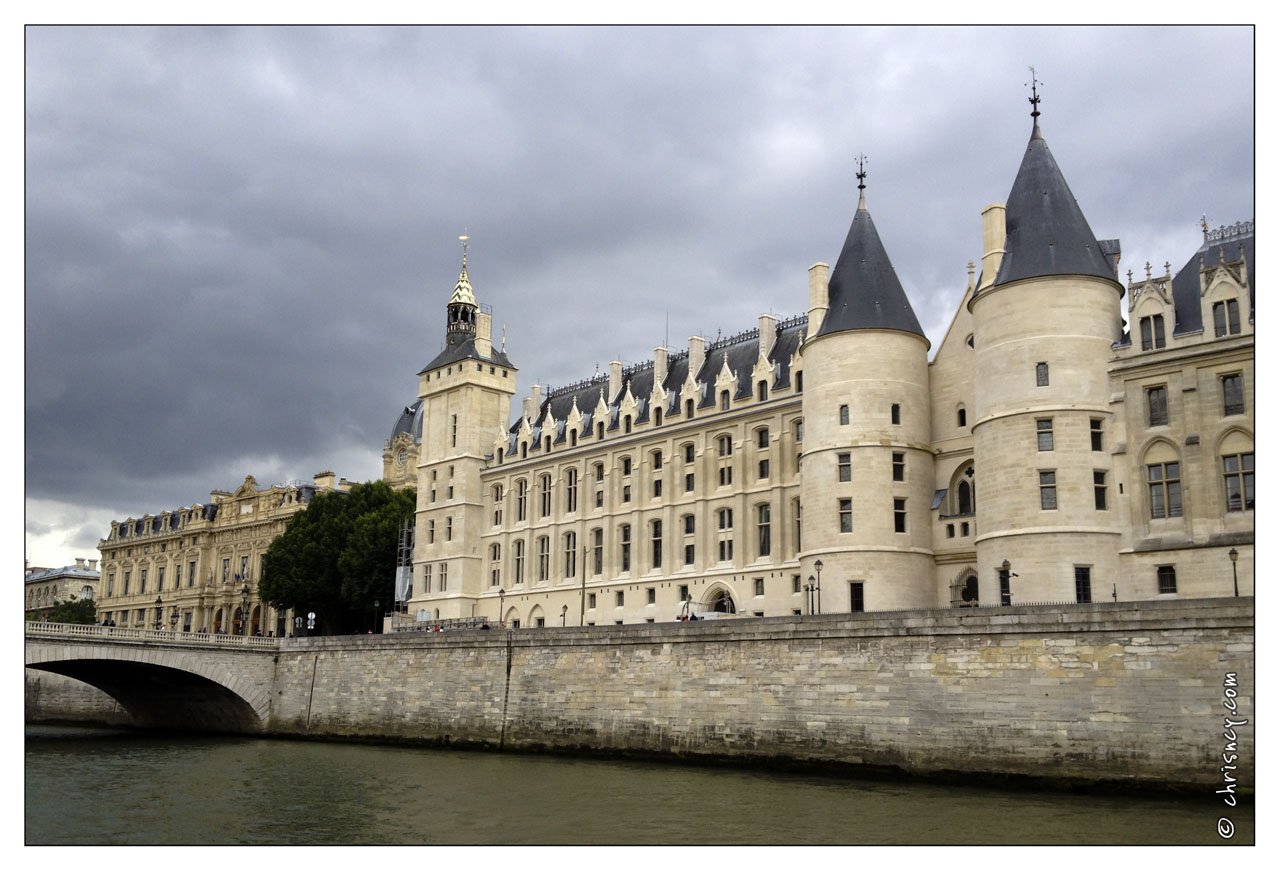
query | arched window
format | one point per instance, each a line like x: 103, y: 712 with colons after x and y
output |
x: 762, y: 390
x: 961, y: 417
x: 600, y: 430
x: 688, y: 408
x: 548, y: 444
x: 799, y: 382
x: 626, y: 424
x: 657, y: 417
x: 724, y: 400
x: 573, y: 438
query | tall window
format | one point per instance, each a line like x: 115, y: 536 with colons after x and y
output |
x: 1157, y: 407
x: 762, y: 438
x: 444, y: 577
x: 448, y: 529
x: 160, y: 579
x: 431, y: 536
x: 624, y: 535
x: 724, y: 400
x: 762, y: 390
x: 899, y: 467
x: 689, y: 544
x: 546, y: 496
x: 844, y: 415
x: 1048, y: 491
x: 497, y: 505
x: 899, y: 515
x: 191, y: 574
x: 599, y: 471
x: 1233, y: 394
x: 856, y: 601
x: 762, y: 527
x: 1095, y: 434
x: 895, y: 414
x: 688, y: 452
x: 544, y: 557
x: 688, y: 408
x: 597, y: 550
x: 426, y: 578
x: 1237, y: 470
x: 1166, y: 580
x: 1044, y: 435
x: 843, y: 466
x: 763, y: 470
x: 1226, y: 318
x: 1084, y: 593
x: 655, y: 539
x: 522, y: 493
x: 1165, y: 486
x: 519, y: 561
x: 1042, y: 375
x: 724, y: 445
x: 1152, y: 332
x: 454, y: 430
x: 846, y: 515
x: 626, y: 465
x: 570, y: 554
x: 1100, y: 491
x: 495, y: 565
x: 142, y: 581
x: 571, y: 491
x: 724, y: 518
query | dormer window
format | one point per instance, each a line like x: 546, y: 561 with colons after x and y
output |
x: 1152, y: 329
x: 1226, y: 318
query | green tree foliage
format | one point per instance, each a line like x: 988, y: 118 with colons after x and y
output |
x: 338, y: 554
x: 74, y: 611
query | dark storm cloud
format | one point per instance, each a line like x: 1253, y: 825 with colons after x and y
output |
x: 239, y: 241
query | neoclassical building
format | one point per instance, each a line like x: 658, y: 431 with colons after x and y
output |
x: 824, y: 463
x: 197, y: 569
x: 45, y: 588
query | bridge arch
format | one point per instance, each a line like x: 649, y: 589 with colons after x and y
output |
x: 162, y: 688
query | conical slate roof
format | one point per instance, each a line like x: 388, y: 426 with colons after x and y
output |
x: 462, y: 290
x: 863, y: 292
x: 1046, y: 233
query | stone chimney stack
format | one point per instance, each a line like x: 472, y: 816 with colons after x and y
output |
x: 659, y: 366
x: 768, y: 334
x: 79, y: 563
x: 818, y: 299
x: 93, y: 565
x: 697, y: 355
x: 993, y: 231
x: 324, y: 480
x: 615, y: 379
x: 484, y: 334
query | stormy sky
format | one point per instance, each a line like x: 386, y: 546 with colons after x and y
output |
x: 239, y: 242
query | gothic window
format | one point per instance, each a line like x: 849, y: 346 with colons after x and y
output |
x: 1164, y: 485
x: 762, y: 390
x: 522, y: 492
x: 844, y: 415
x: 624, y: 547
x: 544, y: 557
x: 895, y: 414
x: 688, y: 408
x: 1042, y: 375
x: 1237, y: 471
x: 724, y: 400
x: 1233, y: 394
x: 597, y: 547
x: 844, y: 467
x: 763, y: 525
x: 570, y: 554
x: 519, y: 561
x: 656, y: 541
x: 960, y: 416
x: 497, y: 505
x: 1226, y: 318
x: 495, y: 565
x: 571, y: 491
x: 545, y: 502
x: 1152, y: 329
x: 1157, y: 407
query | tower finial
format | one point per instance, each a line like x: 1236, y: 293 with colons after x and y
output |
x: 465, y: 240
x: 862, y: 179
x: 1204, y: 226
x: 1034, y: 99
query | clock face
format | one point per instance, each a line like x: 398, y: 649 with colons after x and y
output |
x: 403, y: 456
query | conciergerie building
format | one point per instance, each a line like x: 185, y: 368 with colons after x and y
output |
x: 823, y: 462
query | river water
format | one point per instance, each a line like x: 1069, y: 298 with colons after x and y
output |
x: 99, y: 786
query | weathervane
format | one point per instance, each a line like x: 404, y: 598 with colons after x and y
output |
x: 862, y: 173
x: 1034, y: 99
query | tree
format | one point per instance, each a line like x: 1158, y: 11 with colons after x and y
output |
x: 74, y: 611
x: 338, y: 554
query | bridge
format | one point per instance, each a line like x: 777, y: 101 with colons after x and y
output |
x: 178, y: 680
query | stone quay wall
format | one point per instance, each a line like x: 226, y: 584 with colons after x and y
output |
x: 1130, y: 693
x: 53, y: 698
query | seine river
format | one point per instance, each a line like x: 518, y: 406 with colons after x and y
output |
x: 97, y: 786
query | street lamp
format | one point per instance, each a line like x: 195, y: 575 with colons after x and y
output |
x: 159, y: 613
x: 244, y: 610
x: 564, y: 612
x: 1235, y: 575
x: 818, y: 565
x: 173, y: 619
x: 1006, y: 595
x: 808, y: 589
x: 502, y: 597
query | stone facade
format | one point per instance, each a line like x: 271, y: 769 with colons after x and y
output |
x: 196, y: 569
x: 44, y: 588
x: 1047, y: 453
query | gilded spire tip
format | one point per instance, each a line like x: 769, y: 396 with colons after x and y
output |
x: 862, y: 181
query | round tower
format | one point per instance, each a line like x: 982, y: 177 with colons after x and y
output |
x: 867, y: 467
x: 1043, y: 332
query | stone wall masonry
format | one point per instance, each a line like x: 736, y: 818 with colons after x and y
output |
x: 1125, y: 692
x: 54, y: 698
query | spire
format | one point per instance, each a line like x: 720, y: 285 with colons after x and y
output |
x: 1045, y: 231
x: 462, y: 306
x: 462, y: 290
x: 863, y: 291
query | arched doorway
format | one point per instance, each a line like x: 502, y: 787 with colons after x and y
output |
x: 237, y: 625
x: 964, y: 589
x: 255, y: 623
x: 217, y: 622
x: 720, y: 601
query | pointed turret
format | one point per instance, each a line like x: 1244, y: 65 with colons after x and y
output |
x: 863, y: 291
x: 1046, y: 233
x: 462, y: 305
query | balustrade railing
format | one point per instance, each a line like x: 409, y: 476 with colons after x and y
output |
x: 123, y: 633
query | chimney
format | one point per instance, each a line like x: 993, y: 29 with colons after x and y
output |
x: 615, y: 380
x: 818, y: 301
x: 93, y: 565
x: 324, y: 480
x: 79, y: 563
x: 768, y: 334
x: 992, y: 243
x: 697, y: 355
x: 484, y: 334
x: 659, y: 366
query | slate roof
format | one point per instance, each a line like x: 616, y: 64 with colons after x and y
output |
x: 1045, y: 231
x: 863, y: 291
x: 410, y: 421
x: 1186, y: 283
x: 466, y: 350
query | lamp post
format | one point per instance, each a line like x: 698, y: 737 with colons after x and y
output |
x: 1235, y: 575
x: 244, y: 610
x: 808, y: 589
x: 159, y: 613
x: 502, y: 597
x: 1006, y: 595
x: 818, y: 565
x: 564, y: 612
x: 173, y: 619
x: 582, y: 599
